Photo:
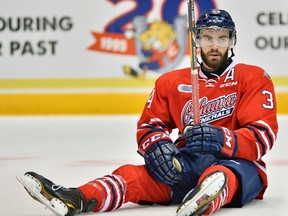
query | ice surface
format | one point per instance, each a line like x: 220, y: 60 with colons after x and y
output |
x: 73, y: 150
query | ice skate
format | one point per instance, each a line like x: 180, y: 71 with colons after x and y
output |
x: 61, y: 201
x: 203, y: 195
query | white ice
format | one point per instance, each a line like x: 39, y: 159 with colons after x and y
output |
x: 74, y: 150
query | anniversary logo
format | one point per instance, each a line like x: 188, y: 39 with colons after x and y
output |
x: 159, y: 45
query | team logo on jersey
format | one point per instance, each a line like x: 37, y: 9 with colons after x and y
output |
x: 185, y: 88
x: 210, y: 110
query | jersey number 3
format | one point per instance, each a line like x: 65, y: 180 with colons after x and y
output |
x: 269, y: 100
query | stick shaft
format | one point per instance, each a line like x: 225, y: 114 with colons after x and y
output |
x: 194, y: 73
x: 193, y: 59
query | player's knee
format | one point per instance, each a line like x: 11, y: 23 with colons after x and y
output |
x: 123, y: 170
x: 130, y: 171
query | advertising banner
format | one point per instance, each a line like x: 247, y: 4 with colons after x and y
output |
x: 122, y: 46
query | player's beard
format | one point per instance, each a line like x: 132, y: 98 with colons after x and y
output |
x: 214, y: 64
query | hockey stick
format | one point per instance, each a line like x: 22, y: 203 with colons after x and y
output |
x: 194, y: 72
x: 193, y: 59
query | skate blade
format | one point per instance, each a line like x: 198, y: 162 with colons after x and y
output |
x: 210, y: 188
x: 34, y: 189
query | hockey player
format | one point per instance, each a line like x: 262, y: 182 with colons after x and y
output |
x: 214, y: 164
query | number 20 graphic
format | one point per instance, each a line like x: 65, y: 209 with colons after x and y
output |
x: 169, y: 10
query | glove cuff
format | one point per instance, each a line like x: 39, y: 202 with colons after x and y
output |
x: 230, y: 142
x: 152, y: 138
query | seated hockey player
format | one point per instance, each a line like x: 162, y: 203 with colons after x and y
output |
x: 214, y: 164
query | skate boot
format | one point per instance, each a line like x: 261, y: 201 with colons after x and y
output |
x: 61, y: 201
x: 206, y: 198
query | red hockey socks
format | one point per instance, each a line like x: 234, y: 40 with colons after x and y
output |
x: 227, y: 194
x: 128, y: 183
x: 108, y: 190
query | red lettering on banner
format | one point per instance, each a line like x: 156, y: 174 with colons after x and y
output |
x: 113, y: 43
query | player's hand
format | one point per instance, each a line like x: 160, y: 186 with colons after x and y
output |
x: 208, y: 139
x: 160, y: 162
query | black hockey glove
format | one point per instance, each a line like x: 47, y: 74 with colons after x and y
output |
x: 159, y: 162
x: 208, y: 139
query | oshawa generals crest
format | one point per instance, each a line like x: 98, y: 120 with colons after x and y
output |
x: 210, y: 110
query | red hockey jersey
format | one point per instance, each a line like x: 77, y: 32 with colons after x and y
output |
x: 241, y: 99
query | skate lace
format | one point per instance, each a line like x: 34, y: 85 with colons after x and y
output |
x: 56, y: 187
